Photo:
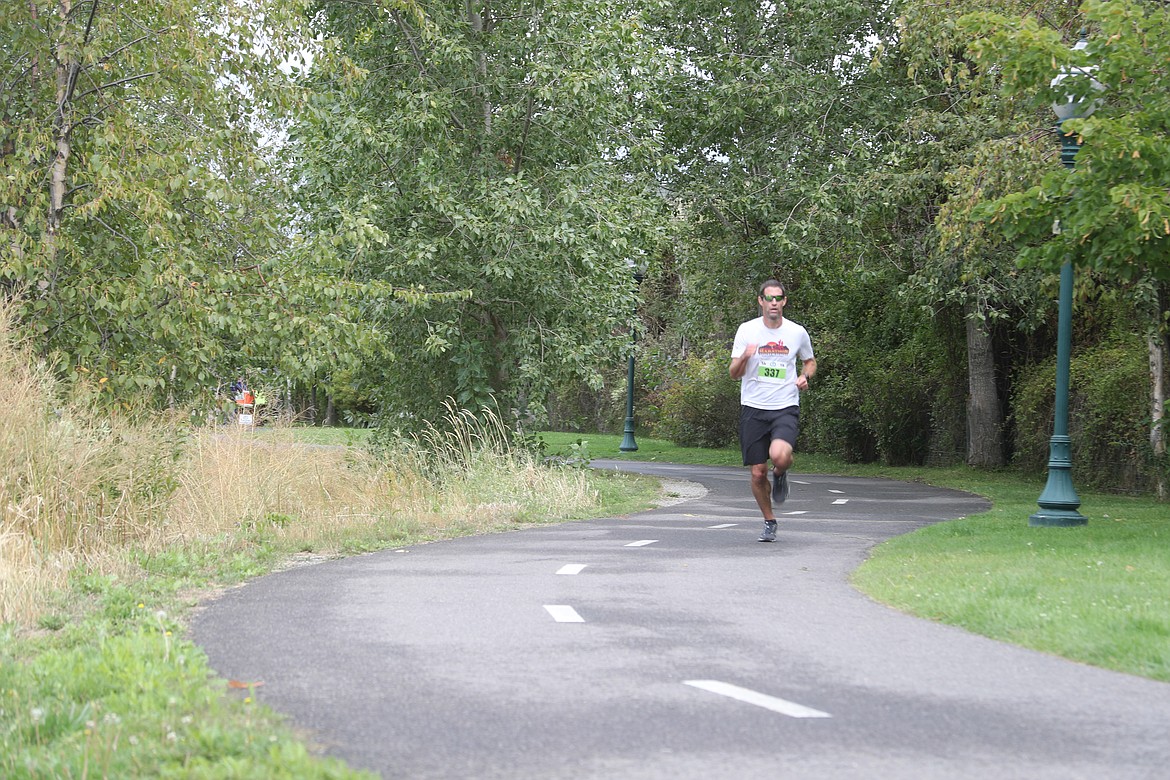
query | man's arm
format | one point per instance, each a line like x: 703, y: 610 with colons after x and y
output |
x: 738, y: 365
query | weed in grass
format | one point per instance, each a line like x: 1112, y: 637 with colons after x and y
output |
x: 51, y: 622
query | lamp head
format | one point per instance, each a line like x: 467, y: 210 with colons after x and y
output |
x: 1074, y: 105
x: 637, y: 268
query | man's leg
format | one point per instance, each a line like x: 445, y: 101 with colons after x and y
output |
x: 762, y: 490
x: 755, y: 442
x: 780, y: 452
x: 763, y: 493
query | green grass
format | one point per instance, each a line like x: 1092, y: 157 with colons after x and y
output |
x: 119, y: 693
x: 1098, y: 593
x: 600, y: 445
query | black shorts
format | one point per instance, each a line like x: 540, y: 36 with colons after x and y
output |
x: 758, y: 427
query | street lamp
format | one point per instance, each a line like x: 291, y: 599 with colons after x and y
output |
x: 1059, y: 501
x: 628, y: 443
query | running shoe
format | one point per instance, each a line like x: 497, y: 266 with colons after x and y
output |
x: 769, y: 534
x: 779, y: 487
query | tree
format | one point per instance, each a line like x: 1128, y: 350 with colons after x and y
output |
x: 1112, y: 215
x: 766, y: 107
x: 496, y: 153
x: 972, y: 143
x: 140, y: 225
x: 811, y: 153
x: 973, y: 271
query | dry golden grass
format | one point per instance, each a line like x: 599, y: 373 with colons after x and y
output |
x: 227, y: 476
x: 485, y: 481
x: 71, y: 486
x: 82, y: 491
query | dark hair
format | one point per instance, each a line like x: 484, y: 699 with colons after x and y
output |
x: 772, y: 283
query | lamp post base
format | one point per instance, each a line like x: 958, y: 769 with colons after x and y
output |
x: 1057, y: 517
x: 1059, y: 501
x: 628, y: 444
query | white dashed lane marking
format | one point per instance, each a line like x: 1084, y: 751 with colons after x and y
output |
x: 571, y: 568
x: 836, y: 491
x: 562, y: 613
x: 642, y: 543
x: 796, y: 512
x: 782, y: 706
x: 841, y: 501
x: 724, y: 525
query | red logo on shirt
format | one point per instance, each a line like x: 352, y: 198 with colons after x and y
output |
x: 773, y: 348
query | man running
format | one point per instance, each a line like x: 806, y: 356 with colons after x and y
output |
x: 764, y: 357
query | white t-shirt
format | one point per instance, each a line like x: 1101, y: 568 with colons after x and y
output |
x: 770, y: 379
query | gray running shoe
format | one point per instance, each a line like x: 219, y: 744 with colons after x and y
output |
x: 769, y: 534
x: 779, y: 487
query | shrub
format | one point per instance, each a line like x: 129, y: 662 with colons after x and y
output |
x: 896, y: 410
x: 830, y: 422
x: 867, y: 403
x: 1108, y: 417
x: 698, y: 406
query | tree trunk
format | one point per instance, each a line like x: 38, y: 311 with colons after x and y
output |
x: 67, y: 69
x: 984, y: 413
x: 330, y: 413
x: 1153, y: 303
x: 476, y: 20
x: 1155, y: 345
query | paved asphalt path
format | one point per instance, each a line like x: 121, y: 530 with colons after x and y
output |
x: 670, y: 644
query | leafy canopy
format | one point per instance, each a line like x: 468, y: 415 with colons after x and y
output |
x: 1112, y: 214
x: 494, y: 153
x: 141, y: 223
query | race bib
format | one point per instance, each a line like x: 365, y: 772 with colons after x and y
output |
x: 773, y: 372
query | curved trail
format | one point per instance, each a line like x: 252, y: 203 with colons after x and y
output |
x: 670, y: 644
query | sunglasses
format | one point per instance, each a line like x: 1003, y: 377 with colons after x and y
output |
x: 772, y: 298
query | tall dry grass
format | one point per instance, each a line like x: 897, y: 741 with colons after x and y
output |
x: 484, y: 480
x: 75, y: 485
x: 84, y: 491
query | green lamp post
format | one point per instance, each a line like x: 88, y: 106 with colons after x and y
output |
x: 1059, y: 500
x: 629, y: 444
